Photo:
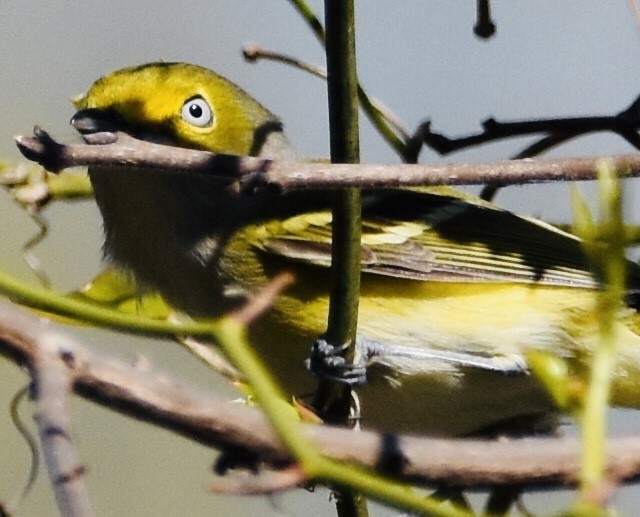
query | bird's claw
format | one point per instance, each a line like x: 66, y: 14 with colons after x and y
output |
x: 325, y: 361
x: 41, y: 148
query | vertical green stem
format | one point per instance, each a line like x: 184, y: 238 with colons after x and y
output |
x: 334, y: 400
x: 342, y: 81
x: 594, y: 425
x: 609, y: 258
x: 305, y: 11
x: 387, y: 125
x: 345, y: 256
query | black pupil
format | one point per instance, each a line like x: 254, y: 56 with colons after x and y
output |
x: 195, y: 111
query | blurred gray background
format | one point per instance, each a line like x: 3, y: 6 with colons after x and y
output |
x: 419, y: 57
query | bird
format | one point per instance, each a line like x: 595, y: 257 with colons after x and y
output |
x: 455, y: 291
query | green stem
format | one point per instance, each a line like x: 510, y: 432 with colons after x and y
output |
x: 334, y: 400
x: 345, y: 288
x: 50, y: 301
x: 595, y: 412
x: 609, y: 258
x: 305, y: 11
x: 342, y: 81
x: 387, y: 125
x: 231, y: 336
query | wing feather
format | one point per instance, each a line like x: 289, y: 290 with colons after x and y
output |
x: 434, y: 237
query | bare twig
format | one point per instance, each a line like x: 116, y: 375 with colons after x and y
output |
x: 52, y: 383
x: 252, y: 53
x: 155, y: 398
x: 266, y: 482
x: 635, y: 10
x: 626, y: 124
x: 32, y: 444
x: 484, y: 27
x: 387, y: 124
x: 264, y: 299
x: 212, y: 357
x: 120, y: 149
x: 255, y: 173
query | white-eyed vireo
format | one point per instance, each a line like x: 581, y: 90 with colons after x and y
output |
x: 455, y: 291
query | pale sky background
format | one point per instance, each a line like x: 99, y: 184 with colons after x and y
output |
x: 420, y: 57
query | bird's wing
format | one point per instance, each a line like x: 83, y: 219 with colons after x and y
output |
x: 425, y: 236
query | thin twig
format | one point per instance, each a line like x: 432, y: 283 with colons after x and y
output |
x: 32, y: 445
x: 258, y: 174
x: 253, y: 53
x: 484, y: 27
x: 307, y: 14
x: 52, y: 385
x: 265, y: 483
x: 156, y: 398
x: 387, y: 124
x: 263, y: 300
x: 635, y: 10
x: 624, y: 123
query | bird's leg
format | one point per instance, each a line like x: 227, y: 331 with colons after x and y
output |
x: 325, y: 360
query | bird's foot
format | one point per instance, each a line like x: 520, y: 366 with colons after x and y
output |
x: 327, y: 362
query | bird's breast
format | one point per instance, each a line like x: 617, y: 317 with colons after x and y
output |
x: 157, y: 227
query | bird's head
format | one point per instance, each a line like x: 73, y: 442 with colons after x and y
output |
x: 189, y: 105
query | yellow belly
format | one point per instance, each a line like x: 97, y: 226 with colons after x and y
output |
x: 423, y: 396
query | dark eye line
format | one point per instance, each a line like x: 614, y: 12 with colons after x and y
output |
x: 194, y: 97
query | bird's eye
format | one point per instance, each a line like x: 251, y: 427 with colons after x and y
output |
x: 197, y: 112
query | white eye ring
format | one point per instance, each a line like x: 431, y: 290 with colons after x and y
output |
x: 197, y: 112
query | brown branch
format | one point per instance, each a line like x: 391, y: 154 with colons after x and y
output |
x: 153, y: 397
x: 267, y: 482
x: 138, y: 392
x: 52, y: 386
x: 626, y: 123
x: 120, y: 149
x: 52, y: 380
x: 264, y: 299
x: 258, y: 174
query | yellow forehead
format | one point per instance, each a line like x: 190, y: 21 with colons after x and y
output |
x: 153, y: 95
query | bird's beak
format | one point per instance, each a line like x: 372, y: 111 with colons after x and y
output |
x: 94, y: 120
